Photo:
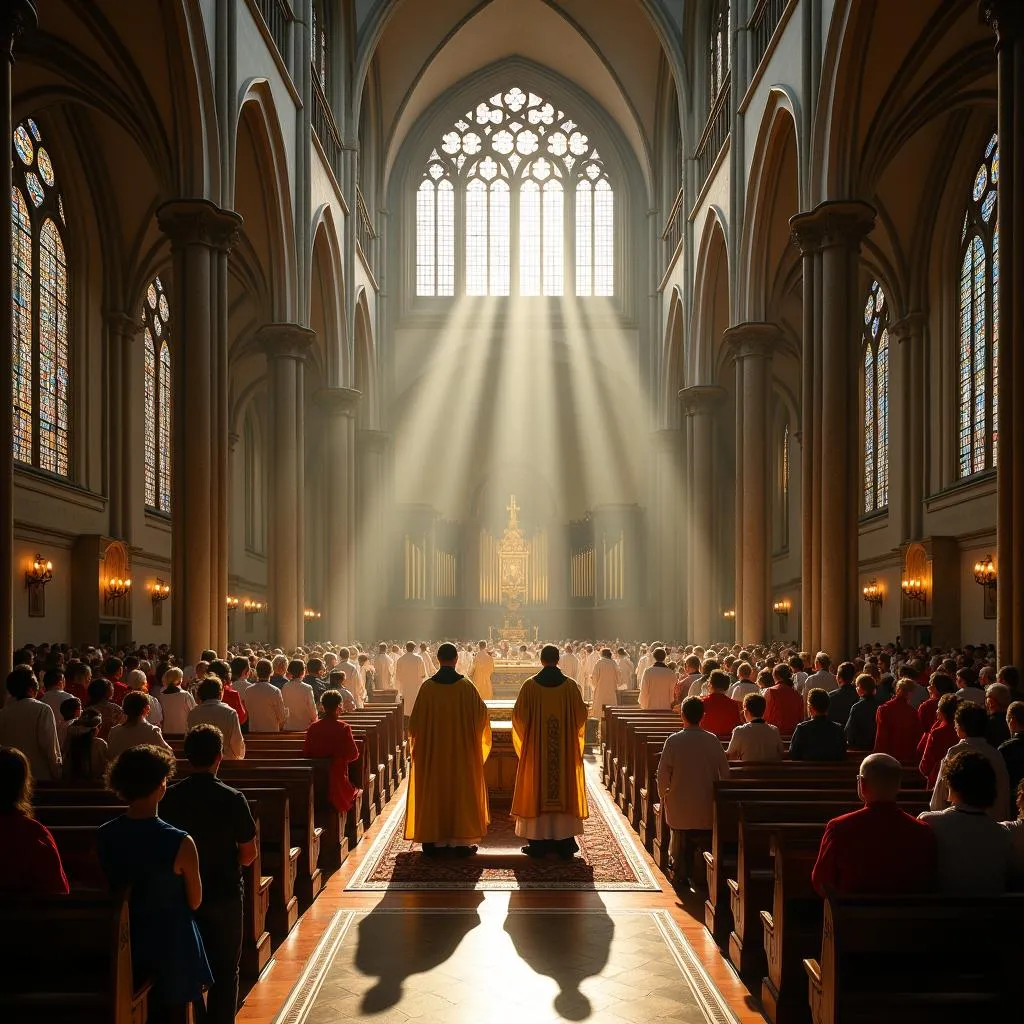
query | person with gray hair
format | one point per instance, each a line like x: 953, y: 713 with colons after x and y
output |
x: 848, y: 858
x: 997, y: 700
x: 176, y: 701
x: 138, y: 682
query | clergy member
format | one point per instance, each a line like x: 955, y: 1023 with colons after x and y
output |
x: 449, y: 739
x: 548, y: 727
x: 483, y: 669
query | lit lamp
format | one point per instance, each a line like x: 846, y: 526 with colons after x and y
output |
x: 782, y: 608
x: 873, y: 593
x: 40, y: 574
x: 232, y: 603
x: 310, y: 614
x: 729, y: 614
x: 985, y: 573
x: 117, y: 587
x: 913, y: 589
x: 159, y: 591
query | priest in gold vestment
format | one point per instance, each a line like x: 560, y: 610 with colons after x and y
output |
x: 449, y: 740
x: 548, y: 728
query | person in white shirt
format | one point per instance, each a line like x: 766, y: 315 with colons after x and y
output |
x: 800, y: 677
x: 644, y: 661
x: 605, y: 678
x: 744, y: 683
x: 625, y: 668
x: 429, y: 663
x: 482, y: 671
x: 137, y: 682
x: 240, y: 675
x: 135, y: 730
x: 691, y: 676
x: 54, y: 693
x: 658, y: 684
x: 353, y: 677
x: 212, y: 710
x: 409, y: 674
x: 176, y: 702
x: 263, y: 701
x: 570, y: 665
x: 822, y: 677
x: 298, y: 699
x: 383, y: 669
x: 28, y: 724
x: 756, y: 740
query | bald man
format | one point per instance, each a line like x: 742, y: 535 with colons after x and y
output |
x: 879, y: 848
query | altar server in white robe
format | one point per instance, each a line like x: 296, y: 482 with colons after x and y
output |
x: 606, y: 682
x: 625, y: 667
x: 383, y: 669
x: 428, y: 660
x: 409, y: 674
x: 354, y: 679
x: 570, y: 665
x: 483, y: 669
x: 644, y: 662
x: 590, y: 657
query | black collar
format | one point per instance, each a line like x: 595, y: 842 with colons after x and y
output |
x: 446, y: 674
x: 550, y: 675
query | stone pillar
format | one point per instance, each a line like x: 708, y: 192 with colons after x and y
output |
x: 286, y: 347
x: 371, y: 529
x: 123, y: 419
x: 668, y: 540
x: 15, y: 17
x: 700, y: 402
x: 752, y: 345
x: 1007, y: 19
x: 198, y: 230
x: 338, y: 406
x: 908, y: 332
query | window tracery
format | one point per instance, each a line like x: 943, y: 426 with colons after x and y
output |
x: 875, y: 389
x: 156, y: 313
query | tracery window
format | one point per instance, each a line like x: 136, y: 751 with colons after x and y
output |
x: 156, y: 313
x: 527, y: 193
x: 875, y: 389
x: 40, y: 301
x: 718, y: 49
x: 978, y: 362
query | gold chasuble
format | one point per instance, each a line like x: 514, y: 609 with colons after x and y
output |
x: 548, y: 725
x: 449, y: 740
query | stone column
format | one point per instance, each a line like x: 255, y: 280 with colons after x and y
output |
x: 15, y: 17
x: 752, y: 345
x: 372, y: 511
x: 666, y: 556
x: 338, y: 407
x: 122, y: 410
x: 198, y: 230
x: 1007, y: 19
x: 700, y: 402
x: 908, y: 332
x: 286, y: 347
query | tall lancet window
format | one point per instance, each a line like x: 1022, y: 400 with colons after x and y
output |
x: 718, y: 49
x: 156, y: 312
x: 875, y: 388
x: 979, y: 327
x: 40, y: 308
x: 515, y: 199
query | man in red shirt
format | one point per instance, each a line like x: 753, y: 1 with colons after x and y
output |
x: 939, y: 685
x: 721, y: 713
x: 113, y: 670
x: 935, y: 743
x: 848, y: 858
x: 897, y: 727
x: 785, y: 707
x: 331, y: 737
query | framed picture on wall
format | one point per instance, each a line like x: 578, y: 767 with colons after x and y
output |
x: 989, y: 602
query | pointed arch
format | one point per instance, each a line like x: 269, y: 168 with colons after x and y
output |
x: 710, y: 314
x: 365, y: 366
x: 673, y: 363
x: 327, y: 297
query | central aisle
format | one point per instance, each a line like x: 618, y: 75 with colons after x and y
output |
x: 472, y: 956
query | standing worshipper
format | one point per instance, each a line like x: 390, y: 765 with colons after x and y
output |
x: 482, y: 671
x: 548, y: 730
x: 897, y: 727
x: 428, y: 659
x: 658, y: 684
x: 298, y: 699
x: 605, y: 682
x: 570, y: 664
x: 353, y: 678
x: 409, y: 673
x: 625, y: 668
x: 28, y: 724
x: 383, y: 669
x: 212, y: 710
x: 263, y: 701
x: 449, y: 740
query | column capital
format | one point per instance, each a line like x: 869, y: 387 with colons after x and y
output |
x: 125, y: 325
x: 752, y: 339
x: 909, y: 327
x: 1004, y: 17
x: 701, y: 397
x: 199, y: 222
x: 832, y: 223
x: 285, y: 341
x: 338, y: 401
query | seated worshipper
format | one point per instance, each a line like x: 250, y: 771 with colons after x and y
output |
x: 756, y: 740
x: 84, y: 753
x: 820, y: 738
x: 54, y: 692
x: 1016, y: 830
x: 279, y: 667
x: 744, y: 682
x: 967, y: 688
x: 844, y: 696
x: 604, y: 679
x: 936, y: 742
x: 822, y: 675
x: 691, y: 760
x: 28, y: 724
x: 100, y: 692
x: 138, y: 683
x: 997, y: 700
x: 331, y: 737
x: 449, y: 740
x: 656, y: 686
x: 229, y: 695
x: 971, y: 724
x: 212, y: 710
x: 221, y: 825
x: 336, y: 681
x: 316, y: 678
x: 113, y: 671
x: 177, y: 703
x: 860, y: 726
x: 161, y: 865
x: 784, y: 707
x: 699, y: 687
x: 918, y: 694
x: 939, y: 685
x: 1013, y: 749
x: 482, y: 671
x: 849, y: 860
x: 973, y: 849
x: 135, y: 730
x: 548, y: 732
x: 897, y: 727
x: 263, y: 701
x: 77, y: 677
x: 298, y: 699
x: 29, y: 859
x: 691, y: 677
x: 69, y: 711
x: 722, y: 714
x: 410, y: 671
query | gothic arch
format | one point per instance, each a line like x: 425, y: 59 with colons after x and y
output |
x: 327, y: 297
x: 365, y: 367
x: 672, y: 363
x: 712, y: 304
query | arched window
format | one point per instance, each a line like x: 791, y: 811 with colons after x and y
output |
x: 156, y: 312
x: 503, y: 180
x: 718, y: 49
x: 979, y: 329
x: 40, y: 293
x: 875, y: 344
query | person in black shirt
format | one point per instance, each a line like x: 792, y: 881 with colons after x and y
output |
x: 818, y: 738
x: 1013, y: 748
x: 860, y: 726
x: 844, y: 696
x: 218, y: 819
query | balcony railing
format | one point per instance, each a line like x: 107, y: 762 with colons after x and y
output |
x: 715, y: 134
x: 366, y: 235
x: 326, y: 130
x: 762, y: 25
x: 672, y: 233
x: 278, y: 15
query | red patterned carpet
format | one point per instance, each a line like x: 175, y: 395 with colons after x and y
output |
x: 609, y: 858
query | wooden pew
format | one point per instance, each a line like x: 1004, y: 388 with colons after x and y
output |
x: 68, y: 958
x: 912, y: 959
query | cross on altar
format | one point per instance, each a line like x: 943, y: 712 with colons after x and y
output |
x: 513, y: 511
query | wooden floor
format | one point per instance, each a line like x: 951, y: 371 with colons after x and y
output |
x: 266, y: 999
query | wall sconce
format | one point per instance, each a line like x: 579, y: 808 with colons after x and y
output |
x: 729, y: 614
x: 873, y: 592
x: 913, y: 589
x: 782, y: 608
x: 159, y: 591
x: 985, y: 573
x: 117, y: 587
x: 36, y: 579
x: 309, y: 615
x: 232, y: 603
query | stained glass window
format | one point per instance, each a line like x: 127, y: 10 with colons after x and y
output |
x: 875, y: 389
x: 156, y: 314
x: 978, y: 357
x: 505, y: 172
x: 40, y: 309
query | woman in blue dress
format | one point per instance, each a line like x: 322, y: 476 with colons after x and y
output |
x: 161, y: 865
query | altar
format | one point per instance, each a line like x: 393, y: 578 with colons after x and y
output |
x: 500, y: 768
x: 508, y: 677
